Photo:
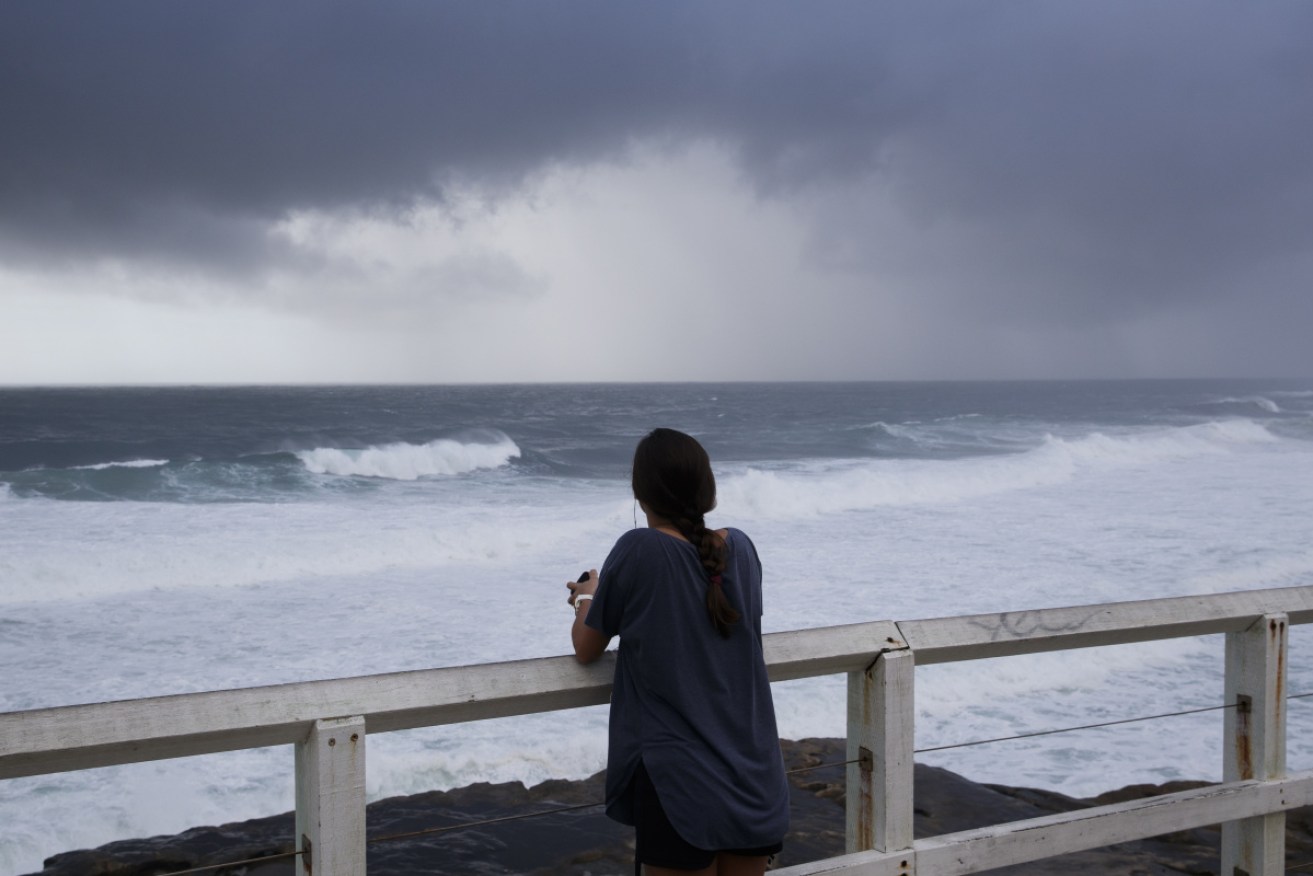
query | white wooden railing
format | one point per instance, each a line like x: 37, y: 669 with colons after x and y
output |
x: 326, y: 721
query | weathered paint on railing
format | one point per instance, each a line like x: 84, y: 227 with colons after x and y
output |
x: 326, y: 721
x: 950, y: 639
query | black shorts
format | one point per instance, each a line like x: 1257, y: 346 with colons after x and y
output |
x: 659, y: 844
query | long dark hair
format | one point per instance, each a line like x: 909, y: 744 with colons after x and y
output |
x: 673, y: 479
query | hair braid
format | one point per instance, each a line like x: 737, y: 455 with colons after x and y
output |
x: 711, y: 551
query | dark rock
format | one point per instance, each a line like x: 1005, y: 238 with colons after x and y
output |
x: 465, y: 831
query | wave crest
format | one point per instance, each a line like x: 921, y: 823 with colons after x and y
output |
x: 408, y: 462
x: 1263, y: 403
x: 834, y: 488
x: 130, y: 463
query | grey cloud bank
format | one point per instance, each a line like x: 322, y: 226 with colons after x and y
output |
x: 1122, y: 176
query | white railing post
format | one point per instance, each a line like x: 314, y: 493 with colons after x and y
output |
x: 1255, y: 742
x: 880, y: 743
x: 330, y: 798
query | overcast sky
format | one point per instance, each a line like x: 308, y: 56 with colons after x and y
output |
x: 448, y: 192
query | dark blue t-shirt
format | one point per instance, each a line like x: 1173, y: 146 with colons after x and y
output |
x: 694, y: 706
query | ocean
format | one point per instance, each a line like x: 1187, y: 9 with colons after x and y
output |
x: 164, y: 540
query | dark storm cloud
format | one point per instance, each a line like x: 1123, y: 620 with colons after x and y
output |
x: 1087, y: 159
x: 122, y: 116
x: 1108, y: 160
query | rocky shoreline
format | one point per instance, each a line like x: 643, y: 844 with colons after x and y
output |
x: 583, y: 842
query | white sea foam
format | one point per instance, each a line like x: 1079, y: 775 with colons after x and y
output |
x: 227, y: 545
x: 1287, y: 570
x: 870, y: 484
x: 130, y: 463
x: 408, y: 462
x: 1158, y: 444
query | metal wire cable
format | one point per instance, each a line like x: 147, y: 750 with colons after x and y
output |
x: 819, y: 766
x: 1073, y: 729
x: 505, y: 818
x: 1298, y: 696
x: 260, y: 860
x: 486, y: 821
x: 555, y: 811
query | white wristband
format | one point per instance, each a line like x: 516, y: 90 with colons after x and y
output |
x: 581, y: 599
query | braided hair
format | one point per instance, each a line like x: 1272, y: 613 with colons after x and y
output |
x: 672, y: 478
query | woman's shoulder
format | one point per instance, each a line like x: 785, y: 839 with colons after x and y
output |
x: 740, y: 544
x: 732, y: 533
x: 639, y: 535
x: 635, y: 540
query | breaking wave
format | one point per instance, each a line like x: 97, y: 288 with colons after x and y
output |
x: 131, y: 463
x: 408, y: 462
x: 1262, y: 402
x: 826, y: 488
x: 262, y: 477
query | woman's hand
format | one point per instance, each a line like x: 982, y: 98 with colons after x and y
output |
x: 582, y: 588
x: 588, y: 642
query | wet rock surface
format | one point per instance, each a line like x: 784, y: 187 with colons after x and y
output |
x: 410, y: 835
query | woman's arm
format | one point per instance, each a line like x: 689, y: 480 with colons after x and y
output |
x: 588, y: 642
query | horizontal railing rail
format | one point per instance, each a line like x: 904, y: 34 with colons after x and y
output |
x: 66, y: 738
x: 878, y: 657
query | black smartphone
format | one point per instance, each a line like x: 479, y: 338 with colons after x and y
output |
x: 582, y: 578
